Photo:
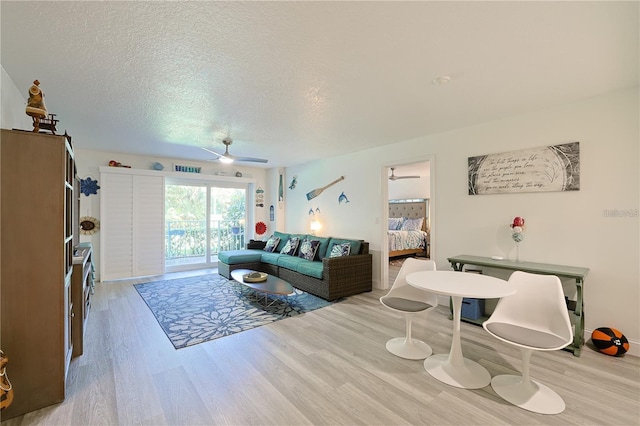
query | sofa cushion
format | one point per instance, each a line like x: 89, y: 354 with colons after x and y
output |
x: 291, y: 246
x: 355, y: 245
x: 302, y: 266
x: 340, y: 250
x: 270, y: 258
x: 233, y: 257
x: 289, y: 262
x: 309, y: 268
x: 283, y: 240
x: 308, y: 249
x: 271, y: 244
x: 322, y: 248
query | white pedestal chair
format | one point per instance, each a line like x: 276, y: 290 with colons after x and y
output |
x: 410, y: 301
x: 533, y: 319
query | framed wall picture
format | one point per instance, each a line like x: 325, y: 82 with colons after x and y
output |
x: 543, y: 169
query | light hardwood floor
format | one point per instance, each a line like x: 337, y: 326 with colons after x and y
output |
x: 328, y: 367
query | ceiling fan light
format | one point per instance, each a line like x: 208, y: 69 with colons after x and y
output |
x: 226, y: 160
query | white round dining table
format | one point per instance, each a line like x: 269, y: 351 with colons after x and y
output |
x: 453, y: 369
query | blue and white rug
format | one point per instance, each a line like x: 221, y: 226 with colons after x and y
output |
x: 202, y: 308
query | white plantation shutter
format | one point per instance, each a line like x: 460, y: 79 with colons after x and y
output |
x: 132, y: 225
x: 116, y: 223
x: 148, y: 228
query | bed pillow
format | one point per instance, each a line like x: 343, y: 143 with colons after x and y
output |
x: 291, y: 246
x: 339, y: 250
x: 272, y: 243
x: 412, y: 224
x: 395, y: 223
x: 308, y: 249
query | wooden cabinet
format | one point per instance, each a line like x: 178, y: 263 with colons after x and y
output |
x: 37, y: 173
x: 82, y: 282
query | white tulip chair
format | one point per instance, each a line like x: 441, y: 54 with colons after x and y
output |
x: 410, y: 301
x: 535, y: 318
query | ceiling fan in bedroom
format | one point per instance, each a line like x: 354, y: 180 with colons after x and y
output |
x: 228, y: 158
x: 394, y: 177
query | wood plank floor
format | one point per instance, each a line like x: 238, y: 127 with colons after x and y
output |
x: 327, y: 367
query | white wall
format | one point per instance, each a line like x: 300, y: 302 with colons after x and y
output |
x: 13, y: 105
x: 271, y: 199
x: 569, y: 228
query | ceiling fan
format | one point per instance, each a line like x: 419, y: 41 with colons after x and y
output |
x: 394, y: 177
x: 228, y: 158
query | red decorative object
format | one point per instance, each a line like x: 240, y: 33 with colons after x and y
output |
x: 114, y: 163
x: 261, y: 228
x: 518, y: 221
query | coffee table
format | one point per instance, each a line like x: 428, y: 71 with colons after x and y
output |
x: 273, y: 285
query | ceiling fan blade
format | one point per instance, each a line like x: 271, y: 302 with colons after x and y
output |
x: 212, y: 152
x: 394, y: 177
x: 228, y: 158
x: 249, y: 159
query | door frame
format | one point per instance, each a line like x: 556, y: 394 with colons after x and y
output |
x: 385, y: 170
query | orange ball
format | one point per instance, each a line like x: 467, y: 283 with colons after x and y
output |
x: 610, y: 341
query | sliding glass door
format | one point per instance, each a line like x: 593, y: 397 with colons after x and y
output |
x: 226, y: 220
x: 201, y: 219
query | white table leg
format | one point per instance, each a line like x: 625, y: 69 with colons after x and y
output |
x: 453, y: 369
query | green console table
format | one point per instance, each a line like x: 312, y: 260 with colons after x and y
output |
x: 561, y: 271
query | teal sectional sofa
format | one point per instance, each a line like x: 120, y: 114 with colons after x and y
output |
x: 328, y: 277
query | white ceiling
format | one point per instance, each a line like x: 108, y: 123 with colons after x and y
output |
x: 298, y: 81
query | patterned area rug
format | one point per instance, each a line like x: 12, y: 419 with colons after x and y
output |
x: 198, y: 309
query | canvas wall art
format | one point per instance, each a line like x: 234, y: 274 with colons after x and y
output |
x: 543, y: 169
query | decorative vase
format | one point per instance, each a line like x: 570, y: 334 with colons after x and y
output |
x: 517, y: 236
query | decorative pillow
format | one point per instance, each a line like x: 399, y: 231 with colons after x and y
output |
x: 395, y: 223
x: 283, y: 240
x: 339, y: 250
x: 291, y: 246
x: 272, y: 243
x: 308, y: 249
x: 412, y: 224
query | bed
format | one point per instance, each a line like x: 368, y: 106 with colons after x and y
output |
x: 408, y: 228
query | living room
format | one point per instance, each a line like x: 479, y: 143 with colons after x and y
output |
x: 595, y: 227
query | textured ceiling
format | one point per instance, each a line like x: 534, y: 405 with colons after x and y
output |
x: 297, y: 81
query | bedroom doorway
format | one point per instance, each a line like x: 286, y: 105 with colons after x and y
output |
x: 410, y: 203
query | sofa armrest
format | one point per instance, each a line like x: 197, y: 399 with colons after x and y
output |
x: 348, y: 275
x: 338, y: 264
x: 253, y: 244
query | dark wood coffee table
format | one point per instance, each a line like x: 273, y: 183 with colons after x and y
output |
x: 273, y: 285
